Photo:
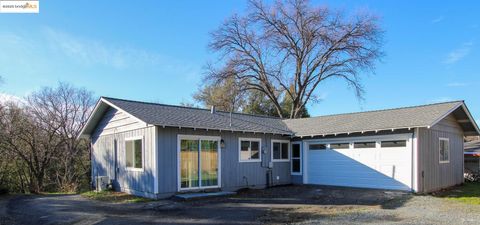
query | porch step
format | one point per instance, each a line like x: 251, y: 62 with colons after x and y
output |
x: 189, y: 196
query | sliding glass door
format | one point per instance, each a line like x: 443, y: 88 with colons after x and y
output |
x: 189, y: 163
x: 199, y: 162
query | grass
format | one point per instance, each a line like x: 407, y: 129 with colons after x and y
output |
x: 115, y: 197
x: 468, y: 193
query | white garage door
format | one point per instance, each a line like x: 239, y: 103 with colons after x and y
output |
x: 383, y: 162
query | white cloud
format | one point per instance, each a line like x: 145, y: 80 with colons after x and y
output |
x: 441, y: 99
x: 94, y: 52
x: 438, y: 19
x: 58, y: 55
x: 457, y: 84
x: 459, y: 53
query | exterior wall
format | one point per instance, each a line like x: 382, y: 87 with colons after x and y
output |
x: 115, y: 121
x: 108, y: 153
x: 433, y: 175
x: 297, y: 179
x: 234, y: 174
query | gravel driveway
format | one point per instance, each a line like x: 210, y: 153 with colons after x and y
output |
x: 279, y: 205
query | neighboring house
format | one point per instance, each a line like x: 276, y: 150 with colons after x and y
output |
x: 157, y: 150
x: 472, y: 156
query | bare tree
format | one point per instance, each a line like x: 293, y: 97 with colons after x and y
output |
x: 40, y: 138
x: 31, y: 144
x: 63, y: 111
x: 289, y: 48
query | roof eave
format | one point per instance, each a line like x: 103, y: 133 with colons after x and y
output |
x: 467, y: 112
x: 226, y: 129
x: 358, y: 131
x: 89, y: 120
x: 102, y: 100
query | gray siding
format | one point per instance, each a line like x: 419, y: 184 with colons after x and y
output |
x: 106, y: 155
x: 438, y: 175
x: 114, y: 121
x: 234, y: 174
x: 297, y: 179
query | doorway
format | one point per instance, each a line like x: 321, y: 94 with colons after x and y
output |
x: 198, y: 162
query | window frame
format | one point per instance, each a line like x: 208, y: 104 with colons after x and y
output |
x: 315, y: 143
x: 299, y: 158
x: 288, y: 150
x: 440, y: 149
x: 259, y: 140
x: 348, y: 143
x: 406, y: 143
x: 200, y: 138
x: 142, y: 139
x: 374, y: 144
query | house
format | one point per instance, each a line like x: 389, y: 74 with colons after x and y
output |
x: 156, y: 150
x: 472, y: 156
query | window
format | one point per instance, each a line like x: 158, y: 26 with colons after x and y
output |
x: 370, y: 144
x: 133, y: 153
x: 317, y: 147
x: 280, y: 150
x: 394, y: 144
x: 340, y: 146
x: 444, y: 148
x: 296, y: 163
x: 250, y: 150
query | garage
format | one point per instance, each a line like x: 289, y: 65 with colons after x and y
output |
x: 383, y: 162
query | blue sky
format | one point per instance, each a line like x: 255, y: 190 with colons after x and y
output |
x: 155, y: 51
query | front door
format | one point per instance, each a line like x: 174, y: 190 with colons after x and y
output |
x: 199, y: 158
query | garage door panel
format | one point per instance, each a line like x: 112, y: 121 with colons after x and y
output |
x: 385, y: 168
x: 346, y: 168
x: 366, y: 183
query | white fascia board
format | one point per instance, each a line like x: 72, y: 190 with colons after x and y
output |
x: 95, y: 109
x: 120, y: 109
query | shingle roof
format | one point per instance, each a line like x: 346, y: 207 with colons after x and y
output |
x: 408, y: 117
x: 187, y: 117
x: 178, y: 116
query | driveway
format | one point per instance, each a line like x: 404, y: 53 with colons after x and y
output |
x: 279, y: 205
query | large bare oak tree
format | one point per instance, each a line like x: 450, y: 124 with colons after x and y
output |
x: 288, y: 48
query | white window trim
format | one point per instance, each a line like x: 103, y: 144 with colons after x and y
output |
x: 299, y: 158
x: 133, y: 169
x: 259, y: 140
x: 288, y: 151
x: 181, y: 137
x: 448, y: 150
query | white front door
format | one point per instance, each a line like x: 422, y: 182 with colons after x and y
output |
x: 198, y: 162
x: 383, y: 162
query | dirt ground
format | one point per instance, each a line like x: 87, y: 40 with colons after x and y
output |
x: 279, y: 205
